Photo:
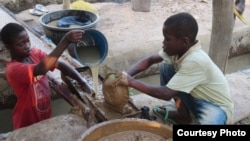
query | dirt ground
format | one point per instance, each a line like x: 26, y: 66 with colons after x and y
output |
x: 119, y: 18
x: 126, y: 29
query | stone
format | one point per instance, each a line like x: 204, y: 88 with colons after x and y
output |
x: 67, y: 127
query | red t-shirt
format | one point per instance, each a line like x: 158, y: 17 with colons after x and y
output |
x: 33, y: 93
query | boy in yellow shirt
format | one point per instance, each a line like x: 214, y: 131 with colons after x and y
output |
x: 187, y: 75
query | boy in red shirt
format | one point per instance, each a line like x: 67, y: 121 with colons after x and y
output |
x: 26, y: 73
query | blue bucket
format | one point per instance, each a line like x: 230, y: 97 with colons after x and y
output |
x: 92, y: 50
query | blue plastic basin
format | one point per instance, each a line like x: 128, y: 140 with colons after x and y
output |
x: 93, y: 39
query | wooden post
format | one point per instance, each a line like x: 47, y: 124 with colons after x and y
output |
x: 66, y: 4
x: 222, y: 28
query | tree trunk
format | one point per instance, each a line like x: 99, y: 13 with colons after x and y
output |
x: 222, y: 28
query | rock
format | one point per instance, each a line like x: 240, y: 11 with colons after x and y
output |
x: 68, y: 127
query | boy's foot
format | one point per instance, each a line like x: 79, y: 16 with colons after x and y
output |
x: 163, y: 112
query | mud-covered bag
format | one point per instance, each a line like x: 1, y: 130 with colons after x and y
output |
x: 116, y: 96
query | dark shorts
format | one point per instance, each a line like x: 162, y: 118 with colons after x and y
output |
x: 204, y: 112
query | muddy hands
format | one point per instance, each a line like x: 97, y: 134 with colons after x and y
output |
x: 121, y: 79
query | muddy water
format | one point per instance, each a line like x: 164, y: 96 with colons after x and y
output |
x: 153, y: 80
x: 238, y: 63
x: 54, y: 24
x: 88, y: 54
x: 59, y: 106
x: 95, y: 73
x: 134, y: 135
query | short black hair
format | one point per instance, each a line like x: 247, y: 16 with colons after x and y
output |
x: 183, y: 25
x: 10, y: 31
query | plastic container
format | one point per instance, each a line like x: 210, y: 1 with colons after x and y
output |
x: 141, y: 5
x: 92, y: 50
x: 56, y: 33
x: 119, y: 126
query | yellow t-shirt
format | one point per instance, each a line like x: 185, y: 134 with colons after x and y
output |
x: 197, y: 75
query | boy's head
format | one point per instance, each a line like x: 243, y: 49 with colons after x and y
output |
x: 183, y: 25
x: 179, y: 31
x: 10, y: 31
x: 16, y: 39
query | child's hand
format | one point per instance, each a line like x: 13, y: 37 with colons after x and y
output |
x: 122, y: 78
x: 73, y: 36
